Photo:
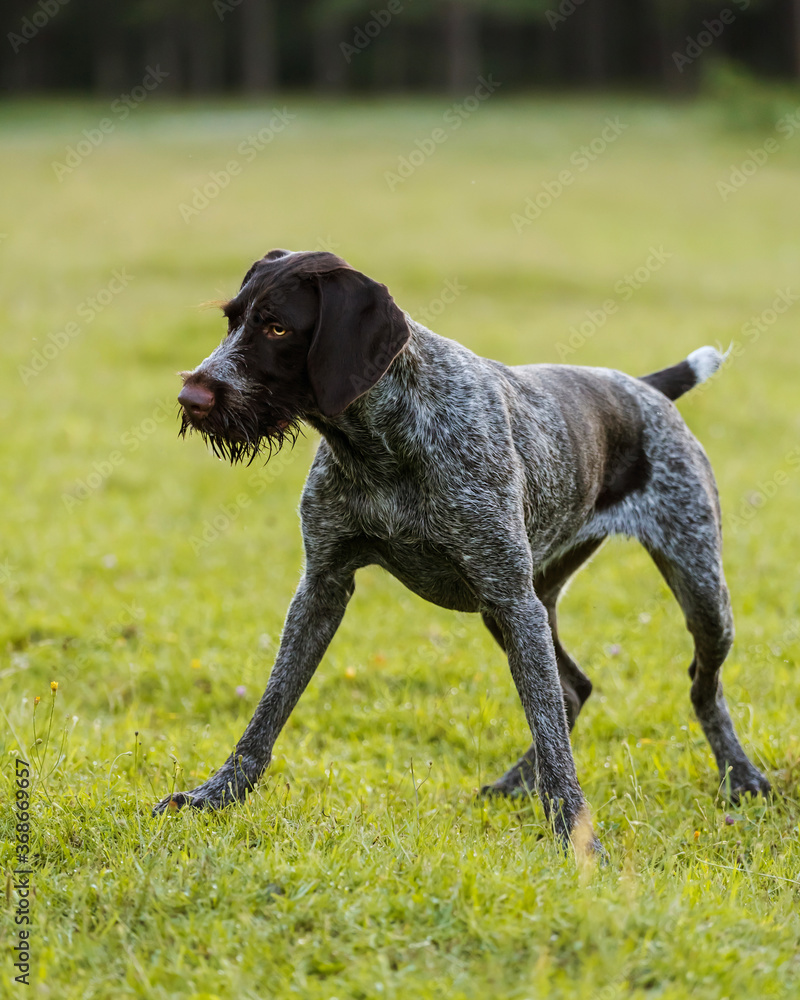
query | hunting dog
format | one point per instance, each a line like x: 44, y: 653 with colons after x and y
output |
x: 481, y: 487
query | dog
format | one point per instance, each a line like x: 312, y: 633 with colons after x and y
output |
x: 481, y: 487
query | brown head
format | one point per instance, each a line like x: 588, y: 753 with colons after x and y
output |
x: 307, y: 335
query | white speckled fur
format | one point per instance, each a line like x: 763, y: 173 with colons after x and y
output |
x: 483, y: 488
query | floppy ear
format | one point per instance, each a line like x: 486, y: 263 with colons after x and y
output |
x: 360, y: 331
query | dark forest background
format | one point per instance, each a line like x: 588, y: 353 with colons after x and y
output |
x: 253, y: 46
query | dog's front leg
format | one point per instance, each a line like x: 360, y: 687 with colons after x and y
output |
x: 314, y: 615
x: 531, y: 656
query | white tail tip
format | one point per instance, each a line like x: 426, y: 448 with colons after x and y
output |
x: 705, y: 361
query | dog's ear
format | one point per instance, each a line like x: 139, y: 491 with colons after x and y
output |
x: 360, y: 331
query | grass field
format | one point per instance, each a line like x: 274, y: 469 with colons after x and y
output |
x: 150, y: 581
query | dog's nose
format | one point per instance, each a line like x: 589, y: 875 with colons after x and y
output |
x: 197, y: 400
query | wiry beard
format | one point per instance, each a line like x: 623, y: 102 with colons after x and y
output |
x: 233, y: 434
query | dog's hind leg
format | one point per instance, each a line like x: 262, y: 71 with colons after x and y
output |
x: 548, y: 585
x: 689, y: 558
x: 575, y: 685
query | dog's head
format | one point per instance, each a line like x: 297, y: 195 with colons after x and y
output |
x: 307, y: 335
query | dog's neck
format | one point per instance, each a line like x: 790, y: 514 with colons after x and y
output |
x: 383, y: 426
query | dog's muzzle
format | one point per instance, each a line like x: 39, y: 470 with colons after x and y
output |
x: 197, y: 400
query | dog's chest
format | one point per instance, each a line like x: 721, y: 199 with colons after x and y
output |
x: 405, y: 529
x: 426, y: 570
x: 395, y: 511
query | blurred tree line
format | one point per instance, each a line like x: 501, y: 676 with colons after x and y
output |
x: 252, y: 46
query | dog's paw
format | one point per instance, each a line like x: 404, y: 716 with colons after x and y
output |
x: 747, y: 781
x: 222, y: 790
x: 498, y: 789
x: 514, y: 787
x: 599, y: 852
x: 198, y: 798
x: 589, y: 851
x: 170, y: 804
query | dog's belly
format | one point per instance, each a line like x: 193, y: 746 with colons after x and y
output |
x: 427, y: 572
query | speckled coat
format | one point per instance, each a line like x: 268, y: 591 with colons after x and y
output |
x: 481, y: 487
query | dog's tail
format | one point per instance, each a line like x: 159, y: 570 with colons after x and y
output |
x: 675, y: 381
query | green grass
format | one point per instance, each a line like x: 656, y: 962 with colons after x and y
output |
x: 340, y: 878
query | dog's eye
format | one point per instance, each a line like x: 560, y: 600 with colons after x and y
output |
x: 275, y: 331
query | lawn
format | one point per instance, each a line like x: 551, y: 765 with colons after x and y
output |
x: 150, y: 581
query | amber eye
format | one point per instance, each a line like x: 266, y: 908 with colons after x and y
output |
x: 276, y: 331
